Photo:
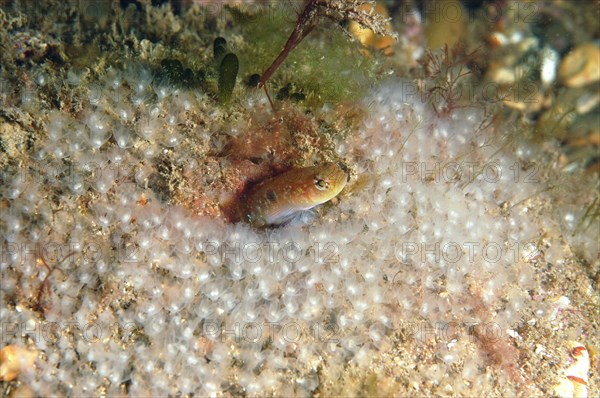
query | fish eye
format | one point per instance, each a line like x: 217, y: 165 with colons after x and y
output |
x: 321, y: 184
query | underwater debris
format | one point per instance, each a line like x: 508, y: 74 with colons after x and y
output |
x: 575, y: 380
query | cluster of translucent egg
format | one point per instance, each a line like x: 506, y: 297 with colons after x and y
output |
x: 152, y: 300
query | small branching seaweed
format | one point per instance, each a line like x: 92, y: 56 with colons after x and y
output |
x: 446, y: 73
x: 38, y: 305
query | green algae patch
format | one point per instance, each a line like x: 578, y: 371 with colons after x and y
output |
x: 219, y: 49
x: 227, y: 74
x: 328, y: 67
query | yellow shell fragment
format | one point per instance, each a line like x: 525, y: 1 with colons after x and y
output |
x: 14, y: 360
x: 575, y: 380
x: 581, y: 66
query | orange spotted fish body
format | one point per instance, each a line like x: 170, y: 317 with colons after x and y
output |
x: 278, y: 199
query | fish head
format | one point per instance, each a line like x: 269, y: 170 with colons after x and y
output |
x: 324, y: 183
